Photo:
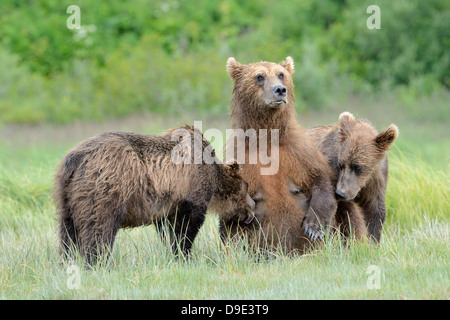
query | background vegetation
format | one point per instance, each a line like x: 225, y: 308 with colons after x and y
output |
x: 146, y: 66
x: 161, y: 56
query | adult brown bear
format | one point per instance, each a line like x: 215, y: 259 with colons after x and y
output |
x: 295, y: 200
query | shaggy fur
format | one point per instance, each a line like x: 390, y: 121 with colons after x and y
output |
x: 116, y: 180
x: 294, y: 205
x: 357, y: 155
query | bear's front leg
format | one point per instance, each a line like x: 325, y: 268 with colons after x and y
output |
x: 186, y: 224
x: 322, y: 208
x: 374, y: 210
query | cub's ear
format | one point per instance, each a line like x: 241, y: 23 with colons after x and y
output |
x: 233, y: 166
x: 384, y: 139
x: 346, y: 120
x: 234, y: 68
x: 288, y: 64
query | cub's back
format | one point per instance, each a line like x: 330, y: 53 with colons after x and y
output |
x: 326, y: 140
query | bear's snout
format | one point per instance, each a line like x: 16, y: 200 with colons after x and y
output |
x: 341, y: 194
x: 279, y: 91
x: 250, y: 208
x: 278, y: 95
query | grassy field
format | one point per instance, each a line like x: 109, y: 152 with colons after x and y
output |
x: 412, y: 261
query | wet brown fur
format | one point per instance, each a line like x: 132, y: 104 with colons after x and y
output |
x: 282, y: 215
x: 116, y: 180
x: 357, y: 155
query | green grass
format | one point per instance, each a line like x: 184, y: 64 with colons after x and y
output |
x: 413, y: 257
x: 413, y: 265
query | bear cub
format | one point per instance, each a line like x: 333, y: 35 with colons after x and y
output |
x: 117, y: 180
x: 357, y: 155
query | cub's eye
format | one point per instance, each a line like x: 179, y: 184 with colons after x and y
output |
x: 295, y: 190
x: 260, y: 78
x: 357, y: 168
x: 341, y: 166
x: 281, y: 76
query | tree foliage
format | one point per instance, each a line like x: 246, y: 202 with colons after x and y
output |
x: 170, y: 55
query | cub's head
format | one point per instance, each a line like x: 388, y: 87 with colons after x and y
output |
x: 232, y: 200
x: 361, y: 150
x: 263, y: 84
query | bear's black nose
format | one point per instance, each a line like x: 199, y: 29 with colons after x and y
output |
x: 341, y: 194
x: 279, y: 91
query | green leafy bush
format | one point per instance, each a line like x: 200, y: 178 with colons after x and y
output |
x: 169, y: 56
x: 414, y: 41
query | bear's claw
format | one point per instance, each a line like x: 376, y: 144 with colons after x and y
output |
x: 313, y: 233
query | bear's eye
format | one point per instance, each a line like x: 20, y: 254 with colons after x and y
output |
x: 357, y: 168
x: 260, y: 78
x: 281, y: 76
x: 341, y: 166
x: 295, y: 190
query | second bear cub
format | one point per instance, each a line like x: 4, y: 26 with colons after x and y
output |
x: 357, y: 155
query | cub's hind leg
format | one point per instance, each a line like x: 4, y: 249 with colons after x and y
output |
x: 97, y: 236
x: 68, y: 236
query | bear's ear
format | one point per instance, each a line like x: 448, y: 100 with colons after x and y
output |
x: 384, y: 139
x: 346, y: 119
x: 288, y: 64
x: 346, y: 116
x: 234, y: 68
x: 233, y: 166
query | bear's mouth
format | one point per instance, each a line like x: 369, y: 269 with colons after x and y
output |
x: 250, y: 218
x: 276, y: 103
